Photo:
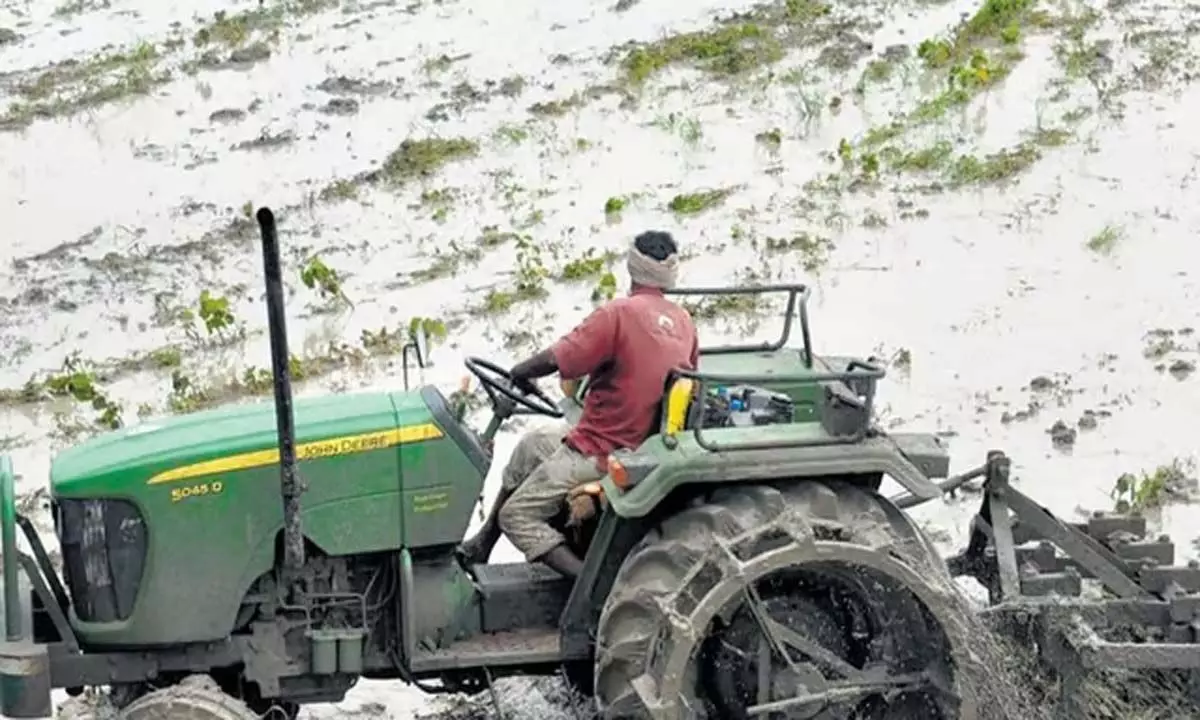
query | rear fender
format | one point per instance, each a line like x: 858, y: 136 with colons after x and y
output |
x: 910, y: 460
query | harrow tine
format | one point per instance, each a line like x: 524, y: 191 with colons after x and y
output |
x: 996, y: 501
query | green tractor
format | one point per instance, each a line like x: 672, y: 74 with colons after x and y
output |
x: 251, y: 559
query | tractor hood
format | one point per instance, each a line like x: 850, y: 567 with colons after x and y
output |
x: 231, y: 437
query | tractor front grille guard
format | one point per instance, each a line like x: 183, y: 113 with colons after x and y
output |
x: 50, y: 598
x: 1033, y: 565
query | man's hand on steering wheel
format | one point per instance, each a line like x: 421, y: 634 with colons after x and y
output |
x: 521, y: 396
x: 524, y: 385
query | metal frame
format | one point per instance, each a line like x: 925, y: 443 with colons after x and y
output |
x: 1033, y: 565
x: 8, y: 542
x: 615, y: 537
x: 797, y: 304
x: 46, y: 585
x: 859, y: 375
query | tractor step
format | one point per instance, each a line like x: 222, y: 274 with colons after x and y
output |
x: 520, y: 595
x: 513, y: 647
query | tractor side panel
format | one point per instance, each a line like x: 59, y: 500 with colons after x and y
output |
x: 442, y: 479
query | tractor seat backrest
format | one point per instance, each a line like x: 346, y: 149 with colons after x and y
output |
x: 676, y: 402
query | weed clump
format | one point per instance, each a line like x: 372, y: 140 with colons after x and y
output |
x: 738, y: 44
x: 996, y: 19
x: 1106, y: 240
x: 698, y: 202
x: 72, y: 86
x: 997, y: 167
x: 1147, y: 491
x: 728, y: 50
x: 589, y: 264
x: 422, y: 158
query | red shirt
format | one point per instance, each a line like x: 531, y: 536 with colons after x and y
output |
x: 627, y: 347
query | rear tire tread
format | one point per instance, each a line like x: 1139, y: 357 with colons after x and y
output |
x: 641, y: 615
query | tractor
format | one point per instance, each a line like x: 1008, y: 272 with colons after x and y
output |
x: 241, y: 562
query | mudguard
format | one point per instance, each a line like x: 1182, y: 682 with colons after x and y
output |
x: 910, y: 460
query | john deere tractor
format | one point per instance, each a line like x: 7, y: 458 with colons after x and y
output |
x: 741, y: 564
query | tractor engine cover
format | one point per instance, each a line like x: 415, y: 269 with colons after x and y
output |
x: 166, y: 526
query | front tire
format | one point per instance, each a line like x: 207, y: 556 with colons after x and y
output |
x: 197, y: 697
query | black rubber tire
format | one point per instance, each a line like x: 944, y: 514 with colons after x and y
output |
x: 660, y: 609
x: 195, y: 698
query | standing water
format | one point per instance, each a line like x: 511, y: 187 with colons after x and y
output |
x: 993, y: 195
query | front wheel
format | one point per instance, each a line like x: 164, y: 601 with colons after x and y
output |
x: 197, y: 697
x: 806, y: 599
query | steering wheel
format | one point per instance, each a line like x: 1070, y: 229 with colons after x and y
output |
x: 496, y: 379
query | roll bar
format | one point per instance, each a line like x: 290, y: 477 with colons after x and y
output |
x: 797, y: 304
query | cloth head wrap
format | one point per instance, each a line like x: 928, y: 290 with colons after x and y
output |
x: 645, y: 270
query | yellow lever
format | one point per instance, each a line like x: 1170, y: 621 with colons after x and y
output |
x: 679, y: 399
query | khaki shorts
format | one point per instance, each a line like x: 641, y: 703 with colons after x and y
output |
x: 531, y: 450
x: 525, y: 517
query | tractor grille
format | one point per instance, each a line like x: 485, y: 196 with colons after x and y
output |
x: 104, y: 553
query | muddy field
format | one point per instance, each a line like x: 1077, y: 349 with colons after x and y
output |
x: 997, y: 197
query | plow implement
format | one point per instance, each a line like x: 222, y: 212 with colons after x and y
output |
x: 1099, y: 604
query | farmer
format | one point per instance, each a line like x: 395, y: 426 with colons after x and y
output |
x: 626, y: 347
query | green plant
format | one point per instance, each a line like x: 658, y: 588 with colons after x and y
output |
x: 606, y: 288
x: 186, y: 396
x: 1145, y: 491
x: 588, y: 264
x: 614, y: 205
x: 215, y: 313
x: 435, y: 329
x: 531, y: 272
x: 316, y: 275
x: 78, y: 381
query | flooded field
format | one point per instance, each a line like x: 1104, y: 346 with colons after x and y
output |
x: 996, y: 196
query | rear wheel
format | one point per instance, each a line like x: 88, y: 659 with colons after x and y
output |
x: 800, y: 600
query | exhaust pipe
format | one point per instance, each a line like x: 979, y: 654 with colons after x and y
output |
x: 289, y: 483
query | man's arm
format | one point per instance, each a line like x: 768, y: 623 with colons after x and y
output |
x: 531, y: 368
x: 577, y: 353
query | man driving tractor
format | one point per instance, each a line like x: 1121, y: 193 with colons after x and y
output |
x: 626, y: 348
